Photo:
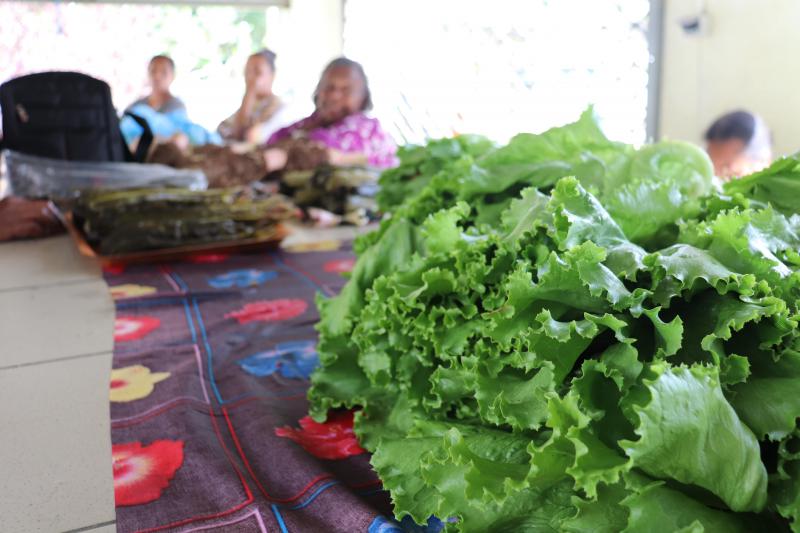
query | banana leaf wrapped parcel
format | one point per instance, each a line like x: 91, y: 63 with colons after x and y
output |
x: 147, y: 219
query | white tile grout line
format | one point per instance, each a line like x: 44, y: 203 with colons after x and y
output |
x: 51, y: 284
x: 89, y: 528
x: 56, y: 360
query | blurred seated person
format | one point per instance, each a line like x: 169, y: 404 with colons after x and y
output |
x: 165, y: 113
x: 738, y: 143
x: 161, y: 73
x: 261, y: 112
x: 338, y: 132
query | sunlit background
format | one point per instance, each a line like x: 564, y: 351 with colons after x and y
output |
x: 653, y: 69
x: 436, y: 68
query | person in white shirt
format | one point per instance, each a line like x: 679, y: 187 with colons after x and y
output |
x: 261, y: 112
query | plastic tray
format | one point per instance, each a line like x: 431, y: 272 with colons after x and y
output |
x: 268, y: 241
x: 41, y: 177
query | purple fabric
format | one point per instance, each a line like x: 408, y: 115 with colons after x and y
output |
x: 355, y: 133
x: 219, y: 394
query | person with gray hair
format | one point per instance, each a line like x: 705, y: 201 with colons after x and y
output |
x: 261, y: 112
x: 738, y: 143
x: 339, y: 132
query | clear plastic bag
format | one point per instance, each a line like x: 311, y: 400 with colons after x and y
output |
x: 41, y: 177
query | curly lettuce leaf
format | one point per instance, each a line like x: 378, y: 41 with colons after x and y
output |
x: 418, y: 165
x: 578, y: 149
x: 665, y: 184
x: 768, y: 401
x: 689, y: 432
x: 777, y: 185
x: 653, y: 506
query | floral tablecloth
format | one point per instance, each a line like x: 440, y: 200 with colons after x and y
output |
x: 208, y: 409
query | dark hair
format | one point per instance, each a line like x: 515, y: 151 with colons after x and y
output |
x: 735, y: 125
x: 358, y: 69
x: 166, y: 58
x: 267, y: 55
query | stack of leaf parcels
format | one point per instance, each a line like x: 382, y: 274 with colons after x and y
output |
x: 145, y: 219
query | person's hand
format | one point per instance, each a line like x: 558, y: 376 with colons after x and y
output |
x: 322, y: 218
x: 253, y: 135
x: 250, y: 96
x: 338, y: 158
x: 248, y: 101
x: 181, y: 140
x: 335, y: 157
x: 25, y: 219
x: 250, y: 87
x: 275, y: 159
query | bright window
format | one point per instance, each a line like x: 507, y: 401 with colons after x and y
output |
x: 436, y: 67
x: 114, y: 42
x: 503, y: 66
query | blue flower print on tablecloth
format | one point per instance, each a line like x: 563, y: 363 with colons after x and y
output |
x: 294, y: 359
x: 381, y: 524
x: 242, y: 278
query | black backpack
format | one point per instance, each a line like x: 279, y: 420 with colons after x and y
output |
x: 66, y: 115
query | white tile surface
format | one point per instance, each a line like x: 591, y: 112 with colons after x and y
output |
x: 55, y: 451
x: 55, y: 322
x: 43, y: 262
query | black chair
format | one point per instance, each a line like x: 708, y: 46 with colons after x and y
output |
x: 66, y: 115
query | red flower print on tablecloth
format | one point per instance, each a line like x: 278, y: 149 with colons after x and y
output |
x: 208, y: 258
x: 333, y: 439
x: 114, y: 268
x: 141, y: 473
x: 269, y: 310
x: 129, y: 328
x: 339, y: 266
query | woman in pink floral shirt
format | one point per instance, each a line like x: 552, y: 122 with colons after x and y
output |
x: 338, y: 132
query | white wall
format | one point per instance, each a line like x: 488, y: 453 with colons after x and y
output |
x: 749, y: 58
